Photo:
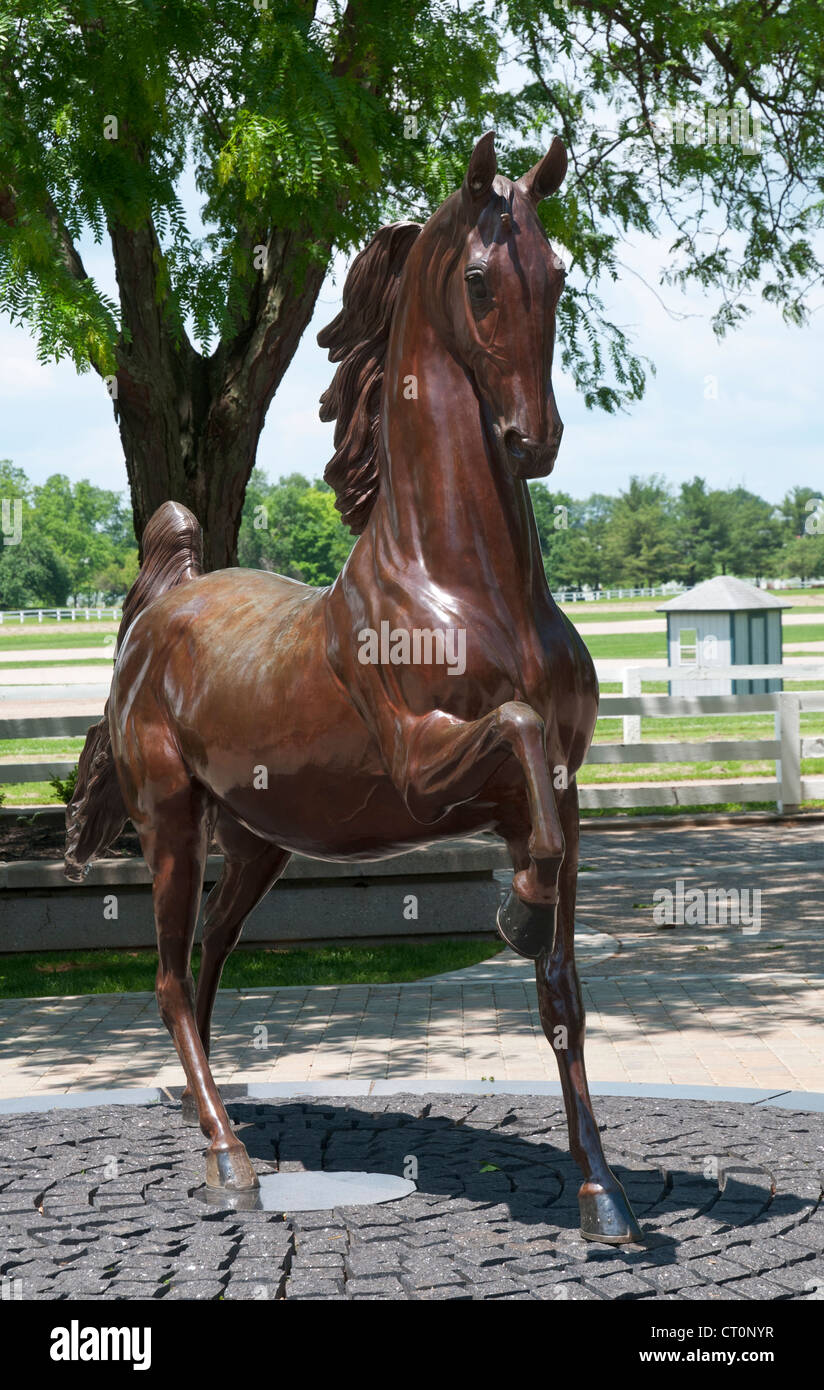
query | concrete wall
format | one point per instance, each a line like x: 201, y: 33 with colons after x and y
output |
x: 448, y: 890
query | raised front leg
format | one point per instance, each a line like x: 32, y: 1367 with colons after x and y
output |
x: 439, y: 761
x: 606, y: 1214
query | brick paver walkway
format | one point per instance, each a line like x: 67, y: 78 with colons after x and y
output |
x: 693, y: 1004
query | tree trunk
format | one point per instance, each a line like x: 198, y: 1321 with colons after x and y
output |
x: 189, y: 424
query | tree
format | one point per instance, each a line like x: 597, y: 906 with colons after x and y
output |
x: 294, y: 124
x: 116, y: 577
x: 89, y: 528
x: 571, y: 534
x: 700, y: 532
x: 306, y: 127
x: 749, y: 533
x: 799, y: 510
x: 32, y: 575
x: 802, y: 556
x: 641, y: 546
x: 552, y: 519
x: 292, y: 527
x: 78, y: 537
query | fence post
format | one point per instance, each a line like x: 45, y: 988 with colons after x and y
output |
x: 631, y: 685
x: 788, y: 767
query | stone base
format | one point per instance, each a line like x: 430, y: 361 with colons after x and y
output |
x: 103, y: 1202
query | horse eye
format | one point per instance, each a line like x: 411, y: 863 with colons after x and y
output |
x: 476, y: 286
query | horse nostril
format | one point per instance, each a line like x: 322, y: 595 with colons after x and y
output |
x: 516, y: 444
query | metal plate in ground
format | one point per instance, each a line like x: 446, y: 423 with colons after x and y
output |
x: 314, y: 1191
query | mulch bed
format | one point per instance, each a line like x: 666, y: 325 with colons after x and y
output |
x: 45, y: 839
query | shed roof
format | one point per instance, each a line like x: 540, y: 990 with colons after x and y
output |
x: 722, y: 594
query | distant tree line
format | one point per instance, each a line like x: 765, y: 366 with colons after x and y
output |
x: 62, y: 542
x: 76, y: 543
x: 651, y: 533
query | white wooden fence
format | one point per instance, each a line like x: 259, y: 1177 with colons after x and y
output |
x: 787, y: 787
x: 661, y: 590
x: 19, y: 615
x: 60, y: 615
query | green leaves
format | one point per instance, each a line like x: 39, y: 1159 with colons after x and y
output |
x: 77, y: 540
x: 292, y: 528
x: 650, y: 534
x: 317, y: 124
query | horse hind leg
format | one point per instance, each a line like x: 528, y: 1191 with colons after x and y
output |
x: 251, y: 867
x: 174, y: 835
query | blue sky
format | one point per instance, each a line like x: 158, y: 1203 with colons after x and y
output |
x: 764, y: 430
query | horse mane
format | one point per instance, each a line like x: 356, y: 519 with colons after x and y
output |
x: 358, y: 339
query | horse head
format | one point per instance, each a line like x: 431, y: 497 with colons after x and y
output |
x: 498, y: 301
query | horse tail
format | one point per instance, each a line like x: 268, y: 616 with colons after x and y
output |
x: 96, y: 813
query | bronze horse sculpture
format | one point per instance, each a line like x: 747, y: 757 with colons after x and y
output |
x: 444, y: 408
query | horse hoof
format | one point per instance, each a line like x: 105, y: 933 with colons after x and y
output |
x: 230, y: 1170
x: 607, y: 1216
x: 188, y: 1109
x: 529, y: 928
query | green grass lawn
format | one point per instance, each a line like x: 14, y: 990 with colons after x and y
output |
x: 715, y: 808
x: 803, y: 632
x: 25, y: 794
x: 52, y: 665
x: 647, y: 687
x: 60, y: 973
x: 723, y: 770
x: 698, y: 728
x: 640, y: 646
x: 77, y: 636
x: 581, y: 616
x: 630, y: 646
x: 583, y: 613
x: 21, y: 748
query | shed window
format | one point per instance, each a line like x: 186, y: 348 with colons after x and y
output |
x: 688, y: 646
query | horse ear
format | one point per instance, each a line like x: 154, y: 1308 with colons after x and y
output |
x: 482, y: 169
x: 547, y: 175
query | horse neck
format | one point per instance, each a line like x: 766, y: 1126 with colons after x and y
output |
x: 445, y: 502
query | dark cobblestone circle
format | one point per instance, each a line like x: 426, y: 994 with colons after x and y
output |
x: 99, y: 1203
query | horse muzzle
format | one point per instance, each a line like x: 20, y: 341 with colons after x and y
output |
x: 531, y: 458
